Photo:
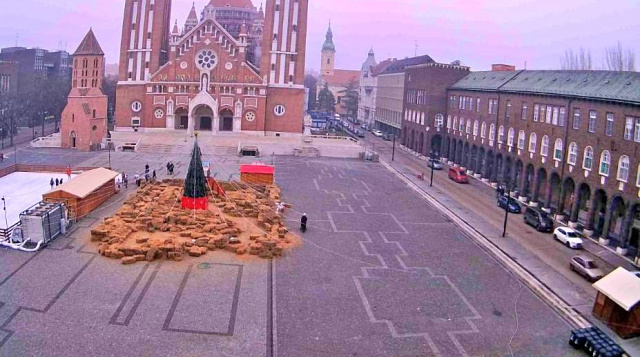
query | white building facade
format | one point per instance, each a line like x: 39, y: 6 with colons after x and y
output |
x: 368, y: 91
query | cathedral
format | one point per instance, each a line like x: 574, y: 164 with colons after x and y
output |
x: 232, y: 69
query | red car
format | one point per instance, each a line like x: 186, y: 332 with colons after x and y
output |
x: 458, y: 175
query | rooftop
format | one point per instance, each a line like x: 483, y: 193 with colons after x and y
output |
x: 87, y: 182
x: 89, y: 46
x: 599, y: 85
x: 400, y: 65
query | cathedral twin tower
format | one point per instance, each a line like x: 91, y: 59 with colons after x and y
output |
x: 220, y: 73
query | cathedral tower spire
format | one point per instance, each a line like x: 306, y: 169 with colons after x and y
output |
x: 328, y: 54
x: 192, y: 19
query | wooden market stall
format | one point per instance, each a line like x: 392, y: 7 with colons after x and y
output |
x: 617, y: 302
x: 84, y: 193
x: 257, y: 174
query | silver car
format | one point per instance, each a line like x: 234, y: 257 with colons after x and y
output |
x: 435, y: 164
x: 586, y: 267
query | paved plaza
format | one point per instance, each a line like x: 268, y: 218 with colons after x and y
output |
x: 380, y: 273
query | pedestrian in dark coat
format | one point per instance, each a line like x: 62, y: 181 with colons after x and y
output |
x: 57, y: 182
x: 51, y: 183
x: 303, y: 223
x: 154, y: 175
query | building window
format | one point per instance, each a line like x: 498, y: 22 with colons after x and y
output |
x: 628, y: 129
x: 94, y: 113
x: 623, y: 168
x: 593, y: 116
x: 470, y: 103
x: 587, y: 162
x: 637, y: 131
x: 452, y: 102
x: 455, y: 123
x: 638, y: 177
x: 439, y: 122
x: 508, y: 111
x: 468, y: 126
x: 609, y: 128
x: 511, y: 137
x: 492, y: 132
x: 279, y: 110
x: 422, y: 119
x: 550, y: 115
x: 461, y: 125
x: 536, y: 112
x: 478, y: 105
x: 475, y: 128
x: 573, y: 154
x: 449, y: 122
x: 524, y: 111
x: 605, y: 163
x: 493, y: 106
x: 483, y: 130
x: 542, y: 113
x: 576, y: 118
x: 563, y: 116
x: 544, y: 150
x: 533, y: 143
x: 501, y: 134
x: 557, y: 150
x: 461, y: 103
x: 521, y: 139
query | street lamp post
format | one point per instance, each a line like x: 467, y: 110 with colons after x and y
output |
x: 109, y: 148
x: 431, y: 163
x: 4, y: 207
x: 506, y: 210
x: 393, y: 150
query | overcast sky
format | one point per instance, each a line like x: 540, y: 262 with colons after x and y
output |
x: 477, y: 32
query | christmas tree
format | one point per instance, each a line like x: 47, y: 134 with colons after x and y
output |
x: 195, y: 186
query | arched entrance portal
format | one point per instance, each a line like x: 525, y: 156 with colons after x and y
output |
x: 436, y: 145
x: 226, y: 120
x: 73, y: 139
x: 203, y: 116
x: 182, y: 119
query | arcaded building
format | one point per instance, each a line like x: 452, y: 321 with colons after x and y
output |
x: 202, y: 78
x: 567, y: 141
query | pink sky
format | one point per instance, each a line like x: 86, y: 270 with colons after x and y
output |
x: 477, y: 32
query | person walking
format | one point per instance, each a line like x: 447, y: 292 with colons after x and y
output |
x: 303, y: 223
x: 146, y: 169
x: 61, y: 181
x: 69, y: 172
x: 154, y: 175
x: 57, y: 182
x: 125, y: 180
x: 51, y: 183
x: 137, y: 178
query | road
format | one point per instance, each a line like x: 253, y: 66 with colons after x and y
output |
x: 480, y: 198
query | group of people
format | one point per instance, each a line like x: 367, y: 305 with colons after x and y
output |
x: 170, y: 167
x: 56, y: 182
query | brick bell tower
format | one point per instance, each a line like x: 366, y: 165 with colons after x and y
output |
x: 283, y: 61
x: 144, y: 49
x: 83, y: 125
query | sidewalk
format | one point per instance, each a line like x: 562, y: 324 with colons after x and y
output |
x: 575, y: 303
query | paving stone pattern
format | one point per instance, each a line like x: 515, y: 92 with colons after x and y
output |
x: 382, y: 273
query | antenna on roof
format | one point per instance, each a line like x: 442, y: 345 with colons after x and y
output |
x: 416, y: 51
x: 525, y: 65
x: 17, y: 36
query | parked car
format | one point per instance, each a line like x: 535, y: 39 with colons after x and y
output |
x: 538, y: 219
x: 365, y: 126
x: 435, y: 164
x: 458, y: 175
x: 586, y: 267
x: 387, y: 137
x: 360, y: 133
x: 377, y: 133
x: 514, y: 207
x: 568, y: 237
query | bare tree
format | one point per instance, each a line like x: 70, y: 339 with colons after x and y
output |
x: 576, y: 61
x: 616, y: 58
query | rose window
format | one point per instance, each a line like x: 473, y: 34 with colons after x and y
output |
x: 206, y: 59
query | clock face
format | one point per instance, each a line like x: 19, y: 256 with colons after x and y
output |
x: 250, y: 116
x: 159, y: 113
x: 228, y: 66
x: 206, y: 60
x: 184, y: 65
x: 136, y: 106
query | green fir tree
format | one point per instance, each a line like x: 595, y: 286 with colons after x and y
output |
x: 196, y: 184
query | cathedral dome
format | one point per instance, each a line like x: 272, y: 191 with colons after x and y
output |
x: 246, y: 4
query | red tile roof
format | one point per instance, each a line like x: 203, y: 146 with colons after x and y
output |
x: 89, y: 46
x: 341, y: 77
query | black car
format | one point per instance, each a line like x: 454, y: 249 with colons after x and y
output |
x: 514, y: 207
x: 538, y: 219
x: 387, y: 137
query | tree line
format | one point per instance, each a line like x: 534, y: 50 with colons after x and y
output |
x: 615, y: 58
